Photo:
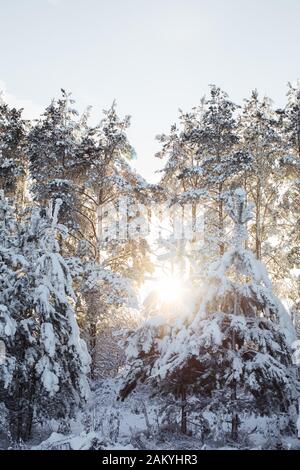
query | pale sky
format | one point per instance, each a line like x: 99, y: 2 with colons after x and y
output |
x: 152, y: 56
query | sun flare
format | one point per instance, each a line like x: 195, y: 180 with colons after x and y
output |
x: 169, y: 289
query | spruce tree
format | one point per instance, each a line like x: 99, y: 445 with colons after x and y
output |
x: 63, y: 361
x: 18, y: 327
x: 232, y: 350
x: 13, y: 160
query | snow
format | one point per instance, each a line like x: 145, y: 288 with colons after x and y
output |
x: 48, y: 338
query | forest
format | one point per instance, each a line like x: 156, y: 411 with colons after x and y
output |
x: 141, y: 315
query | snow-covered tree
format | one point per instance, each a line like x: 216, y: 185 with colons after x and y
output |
x: 292, y: 118
x: 13, y: 161
x: 260, y: 138
x: 52, y: 150
x: 231, y: 349
x: 112, y: 263
x: 46, y: 363
x: 203, y: 159
x: 63, y: 362
x: 105, y: 296
x: 8, y: 325
x: 88, y: 169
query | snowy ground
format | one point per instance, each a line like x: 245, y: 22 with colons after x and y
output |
x: 137, y: 424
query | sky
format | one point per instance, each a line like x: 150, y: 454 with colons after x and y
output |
x: 152, y: 56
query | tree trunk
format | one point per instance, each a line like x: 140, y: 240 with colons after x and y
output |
x: 183, y: 426
x: 93, y: 344
x: 221, y: 220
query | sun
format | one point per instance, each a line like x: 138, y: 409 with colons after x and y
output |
x: 169, y: 289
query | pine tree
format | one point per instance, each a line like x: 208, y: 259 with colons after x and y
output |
x: 289, y: 202
x: 292, y: 118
